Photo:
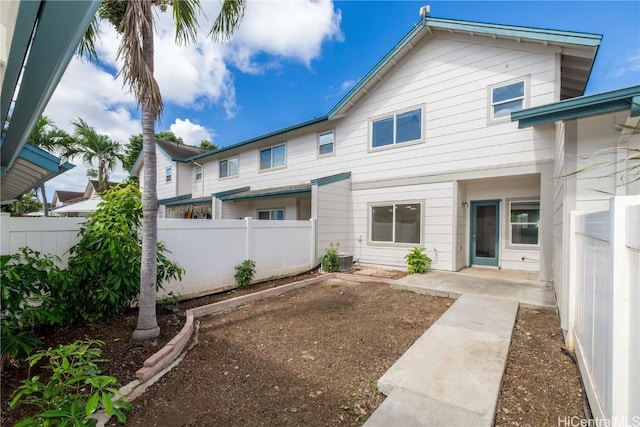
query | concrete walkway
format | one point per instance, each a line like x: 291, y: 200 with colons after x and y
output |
x: 451, y: 375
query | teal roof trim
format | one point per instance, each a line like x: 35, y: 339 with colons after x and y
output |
x: 331, y: 179
x: 40, y: 158
x: 174, y: 199
x: 284, y: 192
x: 186, y: 202
x: 259, y: 138
x: 510, y: 31
x: 230, y: 192
x: 635, y: 106
x: 574, y: 108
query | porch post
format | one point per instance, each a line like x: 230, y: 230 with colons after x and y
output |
x: 5, y: 235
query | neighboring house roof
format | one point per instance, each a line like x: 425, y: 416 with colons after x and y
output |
x: 65, y: 197
x: 93, y: 187
x: 49, y: 31
x: 589, y: 105
x: 84, y: 206
x: 32, y: 167
x: 577, y: 55
x: 173, y: 151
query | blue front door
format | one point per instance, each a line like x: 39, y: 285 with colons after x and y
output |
x: 485, y: 232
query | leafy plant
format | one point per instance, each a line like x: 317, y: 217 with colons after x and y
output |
x: 75, y: 390
x: 104, y: 266
x: 29, y: 284
x: 169, y: 304
x: 329, y: 260
x: 245, y: 272
x: 417, y: 261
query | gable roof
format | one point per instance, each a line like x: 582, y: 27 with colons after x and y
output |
x: 578, y: 54
x: 599, y: 103
x: 64, y: 196
x: 173, y: 151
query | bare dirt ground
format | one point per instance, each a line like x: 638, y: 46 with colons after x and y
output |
x: 312, y: 357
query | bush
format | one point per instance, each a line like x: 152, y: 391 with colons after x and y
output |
x: 75, y: 390
x: 329, y: 260
x: 417, y: 261
x: 245, y: 272
x: 104, y: 267
x: 29, y: 289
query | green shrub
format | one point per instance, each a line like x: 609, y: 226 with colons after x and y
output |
x: 329, y: 260
x: 29, y: 289
x: 104, y: 267
x: 245, y: 272
x: 75, y: 390
x: 417, y: 261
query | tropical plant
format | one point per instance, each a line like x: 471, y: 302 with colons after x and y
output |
x: 75, y: 388
x: 134, y: 21
x: 29, y: 284
x: 47, y: 136
x: 329, y: 259
x: 104, y: 266
x: 91, y: 146
x: 25, y: 204
x: 208, y: 145
x: 417, y: 261
x: 245, y: 272
x: 134, y: 147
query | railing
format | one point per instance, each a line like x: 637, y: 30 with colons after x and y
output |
x: 603, y: 314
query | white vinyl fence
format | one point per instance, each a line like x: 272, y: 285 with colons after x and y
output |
x: 208, y: 250
x: 605, y: 282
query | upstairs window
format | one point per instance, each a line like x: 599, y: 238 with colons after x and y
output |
x: 167, y: 174
x: 271, y: 214
x: 397, y: 129
x: 325, y: 143
x: 506, y: 98
x: 524, y: 221
x: 229, y: 167
x: 198, y: 173
x: 273, y: 157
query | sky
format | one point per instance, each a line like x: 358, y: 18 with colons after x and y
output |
x: 293, y: 60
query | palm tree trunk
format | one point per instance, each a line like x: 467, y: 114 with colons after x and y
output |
x: 45, y: 209
x: 147, y: 327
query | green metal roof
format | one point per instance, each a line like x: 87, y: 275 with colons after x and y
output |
x: 589, y: 105
x: 331, y: 179
x: 269, y: 192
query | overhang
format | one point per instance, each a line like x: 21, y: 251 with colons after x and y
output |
x: 600, y: 103
x: 290, y: 190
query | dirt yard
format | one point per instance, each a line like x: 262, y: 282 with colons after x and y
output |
x: 312, y: 357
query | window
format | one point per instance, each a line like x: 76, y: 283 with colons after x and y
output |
x: 272, y: 157
x: 198, y: 173
x: 325, y: 143
x: 167, y: 174
x: 397, y: 129
x: 396, y: 223
x: 507, y: 98
x: 229, y: 167
x: 524, y: 219
x: 271, y: 214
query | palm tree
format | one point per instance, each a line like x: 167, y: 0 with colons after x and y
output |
x: 134, y: 21
x: 92, y: 146
x: 48, y: 137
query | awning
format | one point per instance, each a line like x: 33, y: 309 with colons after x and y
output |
x: 269, y: 192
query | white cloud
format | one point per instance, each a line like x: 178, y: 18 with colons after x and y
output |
x: 191, y: 133
x: 629, y: 64
x: 347, y: 85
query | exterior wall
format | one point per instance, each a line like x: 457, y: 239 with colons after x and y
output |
x: 185, y: 180
x: 462, y: 227
x: 334, y: 216
x: 165, y: 189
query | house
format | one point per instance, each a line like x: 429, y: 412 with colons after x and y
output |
x: 428, y: 150
x: 176, y: 172
x: 83, y: 203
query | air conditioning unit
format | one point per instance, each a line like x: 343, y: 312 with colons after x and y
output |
x: 345, y: 262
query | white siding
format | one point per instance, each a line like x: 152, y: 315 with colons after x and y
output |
x: 334, y: 217
x: 250, y: 208
x: 165, y: 189
x: 185, y: 177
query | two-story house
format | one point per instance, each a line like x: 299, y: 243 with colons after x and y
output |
x: 424, y: 151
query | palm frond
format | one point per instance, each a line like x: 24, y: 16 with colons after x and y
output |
x: 185, y: 17
x: 87, y: 46
x: 137, y: 71
x: 228, y: 19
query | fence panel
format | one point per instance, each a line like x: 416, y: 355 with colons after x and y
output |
x: 633, y: 253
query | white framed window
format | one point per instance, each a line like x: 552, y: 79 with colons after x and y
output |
x: 273, y: 157
x: 326, y: 143
x: 167, y: 174
x: 398, y: 128
x: 395, y: 223
x: 271, y: 214
x: 506, y: 97
x: 229, y: 167
x: 524, y: 222
x: 198, y: 173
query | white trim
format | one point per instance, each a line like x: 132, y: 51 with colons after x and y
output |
x: 271, y: 210
x: 227, y: 160
x: 509, y: 240
x: 393, y: 115
x: 393, y: 243
x: 525, y: 98
x: 271, y: 168
x: 333, y: 143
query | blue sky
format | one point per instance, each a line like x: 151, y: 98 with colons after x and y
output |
x: 293, y: 61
